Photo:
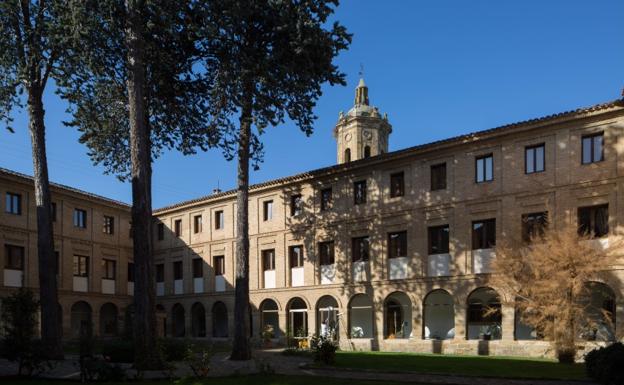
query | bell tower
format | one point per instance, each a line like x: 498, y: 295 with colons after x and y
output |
x: 362, y: 132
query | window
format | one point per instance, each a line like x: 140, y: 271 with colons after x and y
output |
x: 109, y: 225
x: 326, y: 252
x: 295, y: 254
x: 53, y: 211
x: 219, y: 265
x: 296, y: 205
x: 593, y: 220
x: 347, y: 155
x: 161, y: 231
x: 81, y: 266
x: 484, y: 168
x: 397, y: 244
x: 359, y: 192
x: 198, y: 268
x: 131, y: 271
x: 397, y: 185
x: 177, y: 227
x: 219, y: 219
x: 360, y: 249
x: 438, y: 177
x: 268, y: 260
x: 197, y: 224
x: 268, y: 210
x: 80, y: 218
x: 13, y: 203
x: 178, y: 272
x: 108, y: 268
x: 534, y: 225
x: 534, y: 159
x: 439, y: 239
x: 14, y: 257
x: 484, y: 234
x: 160, y: 272
x: 367, y: 152
x: 326, y: 199
x: 592, y: 150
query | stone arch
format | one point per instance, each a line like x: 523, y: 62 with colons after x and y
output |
x: 327, y: 309
x: 178, y: 318
x: 397, y: 315
x: 367, y: 151
x: 361, y: 317
x: 347, y: 155
x: 297, y: 310
x: 219, y: 320
x: 198, y: 320
x: 480, y: 321
x: 108, y: 320
x: 600, y: 305
x: 161, y: 321
x: 438, y: 315
x: 81, y: 319
x: 269, y: 318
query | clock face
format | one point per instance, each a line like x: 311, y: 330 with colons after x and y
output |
x: 367, y: 135
x: 347, y: 137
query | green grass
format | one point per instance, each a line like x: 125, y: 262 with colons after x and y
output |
x: 238, y: 380
x: 506, y: 367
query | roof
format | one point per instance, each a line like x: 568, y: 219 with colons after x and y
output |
x: 29, y: 178
x: 457, y: 140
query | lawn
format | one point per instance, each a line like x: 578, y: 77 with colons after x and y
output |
x: 238, y: 380
x: 506, y: 367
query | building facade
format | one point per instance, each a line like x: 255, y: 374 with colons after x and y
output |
x: 387, y: 251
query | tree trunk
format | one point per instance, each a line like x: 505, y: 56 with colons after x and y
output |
x: 48, y: 290
x: 240, y: 347
x: 146, y: 353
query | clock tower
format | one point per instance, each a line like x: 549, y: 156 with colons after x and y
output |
x: 362, y: 132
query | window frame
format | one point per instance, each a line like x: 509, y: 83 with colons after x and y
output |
x: 13, y: 203
x: 531, y: 228
x: 268, y: 259
x: 326, y: 204
x: 534, y: 148
x: 109, y: 269
x: 80, y: 218
x: 299, y: 257
x: 108, y: 227
x: 219, y: 218
x: 218, y: 263
x: 431, y: 232
x: 485, y: 232
x: 592, y: 138
x: 484, y: 158
x: 440, y: 185
x: 9, y: 257
x: 160, y: 231
x: 267, y: 210
x: 296, y: 205
x: 197, y: 265
x: 327, y: 253
x: 363, y: 253
x: 198, y: 224
x: 177, y: 227
x: 83, y: 262
x: 362, y: 199
x: 593, y: 211
x: 160, y: 273
x: 178, y: 270
x: 400, y: 192
x: 402, y: 243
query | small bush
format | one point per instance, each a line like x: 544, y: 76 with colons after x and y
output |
x: 118, y: 350
x: 296, y: 352
x: 173, y: 349
x: 324, y: 349
x: 605, y: 364
x: 198, y: 359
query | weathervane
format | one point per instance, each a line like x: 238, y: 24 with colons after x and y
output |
x: 361, y: 73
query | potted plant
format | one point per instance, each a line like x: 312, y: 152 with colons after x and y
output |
x: 268, y: 334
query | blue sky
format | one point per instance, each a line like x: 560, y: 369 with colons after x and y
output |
x: 438, y: 68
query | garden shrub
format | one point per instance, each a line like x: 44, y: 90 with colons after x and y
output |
x: 173, y: 349
x: 198, y: 359
x: 324, y: 349
x: 118, y: 350
x: 606, y: 364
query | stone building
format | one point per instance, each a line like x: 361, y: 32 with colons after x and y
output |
x: 389, y: 250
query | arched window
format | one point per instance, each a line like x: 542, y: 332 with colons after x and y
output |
x: 161, y: 321
x: 108, y: 320
x: 327, y: 317
x: 367, y: 152
x: 398, y: 315
x: 198, y: 320
x: 439, y: 314
x: 600, y: 307
x: 361, y: 316
x: 269, y: 319
x: 219, y: 320
x: 177, y: 315
x: 484, y: 315
x: 347, y: 155
x: 298, y: 318
x: 81, y: 319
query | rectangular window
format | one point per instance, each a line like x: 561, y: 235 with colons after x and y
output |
x: 534, y: 159
x: 219, y: 264
x: 109, y: 225
x: 14, y: 257
x: 160, y: 272
x: 397, y: 244
x: 438, y: 177
x: 197, y: 224
x: 178, y: 272
x: 534, y: 225
x: 80, y: 218
x: 81, y: 266
x: 295, y: 254
x: 326, y: 199
x: 161, y: 231
x: 484, y: 168
x: 219, y: 220
x: 53, y: 211
x: 268, y: 260
x: 592, y: 148
x: 267, y: 210
x: 439, y: 239
x: 593, y: 220
x: 326, y: 252
x: 397, y: 185
x: 296, y: 205
x: 131, y: 271
x: 198, y: 268
x: 177, y: 227
x: 484, y: 234
x: 360, y: 247
x: 359, y: 192
x: 13, y: 203
x: 109, y: 268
